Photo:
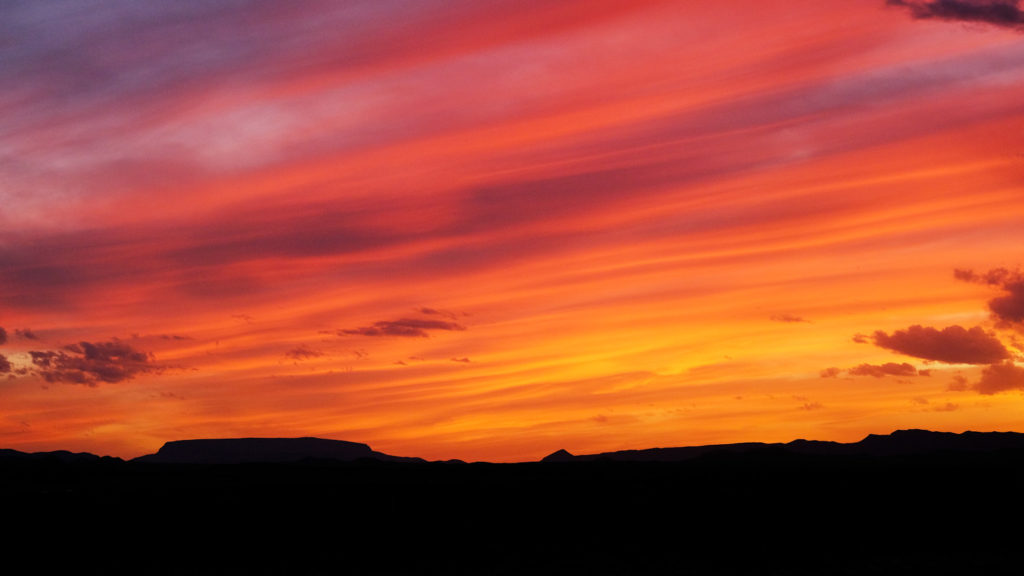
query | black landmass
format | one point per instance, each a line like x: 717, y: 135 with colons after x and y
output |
x: 912, y: 502
x: 276, y: 450
x: 900, y: 442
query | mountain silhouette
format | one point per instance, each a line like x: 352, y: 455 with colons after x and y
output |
x: 62, y: 456
x: 899, y: 443
x: 910, y: 502
x: 264, y: 450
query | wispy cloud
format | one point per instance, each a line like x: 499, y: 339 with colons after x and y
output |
x: 405, y: 328
x: 882, y: 370
x: 998, y: 12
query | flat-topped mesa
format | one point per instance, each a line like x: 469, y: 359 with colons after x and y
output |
x: 240, y: 450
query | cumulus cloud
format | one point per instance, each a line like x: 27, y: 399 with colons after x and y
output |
x: 882, y: 370
x: 405, y: 327
x: 92, y: 362
x: 952, y: 345
x: 1006, y: 309
x: 860, y: 338
x: 5, y: 365
x: 998, y: 12
x: 3, y: 335
x: 26, y: 334
x: 1002, y: 377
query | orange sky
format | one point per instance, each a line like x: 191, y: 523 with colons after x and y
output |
x: 482, y: 231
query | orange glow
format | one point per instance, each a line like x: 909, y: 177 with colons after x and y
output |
x: 480, y: 232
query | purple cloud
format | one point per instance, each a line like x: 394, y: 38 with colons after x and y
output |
x: 92, y: 362
x: 1005, y: 13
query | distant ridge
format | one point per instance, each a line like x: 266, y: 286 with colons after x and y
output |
x: 63, y: 456
x: 264, y: 450
x: 286, y: 450
x: 899, y: 443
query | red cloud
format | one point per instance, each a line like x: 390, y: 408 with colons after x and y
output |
x: 1000, y: 378
x: 1008, y: 308
x: 887, y: 369
x: 952, y: 345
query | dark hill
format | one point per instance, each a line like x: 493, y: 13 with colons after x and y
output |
x: 899, y: 443
x: 264, y: 450
x: 62, y: 456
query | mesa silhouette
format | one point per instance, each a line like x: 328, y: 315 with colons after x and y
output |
x: 264, y: 450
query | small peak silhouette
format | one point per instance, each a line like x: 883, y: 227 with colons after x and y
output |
x: 559, y: 456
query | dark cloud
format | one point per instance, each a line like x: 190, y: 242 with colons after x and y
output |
x: 993, y: 277
x: 883, y: 370
x: 830, y: 372
x: 463, y: 360
x: 436, y: 312
x: 26, y: 334
x: 998, y: 12
x: 406, y: 328
x: 1006, y: 309
x: 952, y: 345
x: 812, y: 406
x: 5, y: 365
x: 788, y: 318
x: 303, y: 353
x: 1002, y: 377
x: 3, y: 335
x: 1009, y: 308
x: 860, y: 338
x: 92, y: 362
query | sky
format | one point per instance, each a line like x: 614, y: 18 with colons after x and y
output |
x: 491, y: 229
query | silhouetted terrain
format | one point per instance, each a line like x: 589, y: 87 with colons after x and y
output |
x: 900, y: 442
x: 241, y: 450
x: 898, y: 504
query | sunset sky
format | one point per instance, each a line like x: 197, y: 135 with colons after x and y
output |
x: 488, y: 230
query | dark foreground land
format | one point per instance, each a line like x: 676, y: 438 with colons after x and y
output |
x: 766, y: 511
